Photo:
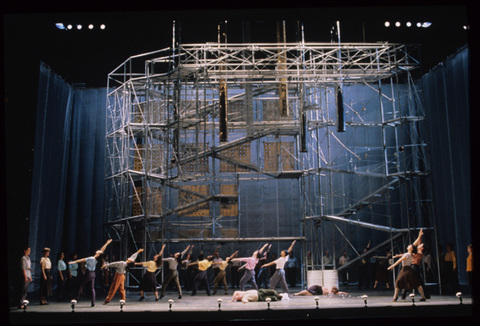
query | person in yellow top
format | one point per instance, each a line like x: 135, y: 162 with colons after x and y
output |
x: 450, y: 269
x: 201, y: 277
x: 222, y: 273
x: 149, y: 280
x: 470, y: 264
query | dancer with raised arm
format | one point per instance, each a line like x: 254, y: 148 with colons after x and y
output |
x: 407, y: 279
x: 279, y: 275
x: 222, y: 273
x: 149, y: 280
x: 89, y: 277
x: 201, y: 277
x: 249, y: 276
x: 118, y: 282
x: 172, y: 272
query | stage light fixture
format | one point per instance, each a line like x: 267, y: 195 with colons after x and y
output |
x: 409, y: 24
x: 60, y: 25
x: 459, y: 296
x: 69, y: 26
x: 219, y: 304
x: 426, y: 24
x: 90, y: 26
x: 170, y: 303
x: 397, y: 24
x: 316, y: 301
x: 364, y: 297
x: 25, y: 304
x: 79, y: 27
x: 412, y: 296
x: 419, y: 24
x: 122, y: 303
x: 74, y: 302
x: 102, y: 26
x: 268, y: 303
x: 387, y: 24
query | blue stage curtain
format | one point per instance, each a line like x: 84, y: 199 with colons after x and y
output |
x: 446, y: 93
x: 67, y: 187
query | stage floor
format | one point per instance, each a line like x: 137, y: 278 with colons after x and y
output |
x: 203, y: 308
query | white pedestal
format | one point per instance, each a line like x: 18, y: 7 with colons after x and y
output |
x: 326, y: 278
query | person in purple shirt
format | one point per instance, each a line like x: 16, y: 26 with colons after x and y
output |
x: 251, y: 262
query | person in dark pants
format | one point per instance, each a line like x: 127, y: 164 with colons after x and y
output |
x: 450, y: 270
x: 62, y: 276
x: 89, y: 277
x: 201, y: 277
x: 364, y: 270
x: 291, y: 267
x: 25, y: 276
x: 234, y: 269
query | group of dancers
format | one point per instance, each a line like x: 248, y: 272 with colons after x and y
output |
x: 408, y: 279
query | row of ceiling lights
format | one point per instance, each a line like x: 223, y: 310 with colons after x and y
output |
x: 409, y: 24
x: 78, y: 26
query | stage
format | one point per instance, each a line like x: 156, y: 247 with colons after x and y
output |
x: 203, y: 308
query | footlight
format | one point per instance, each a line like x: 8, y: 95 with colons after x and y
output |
x: 268, y: 302
x: 459, y: 296
x: 170, y: 303
x: 364, y: 297
x: 122, y: 303
x: 74, y: 302
x: 219, y: 304
x: 316, y: 301
x: 25, y: 304
x: 412, y: 296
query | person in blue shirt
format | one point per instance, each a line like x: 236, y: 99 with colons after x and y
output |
x: 89, y: 277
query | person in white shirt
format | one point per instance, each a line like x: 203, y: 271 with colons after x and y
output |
x: 173, y: 273
x: 26, y: 275
x: 256, y: 295
x: 46, y: 279
x: 279, y: 275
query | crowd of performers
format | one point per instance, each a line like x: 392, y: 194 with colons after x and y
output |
x: 262, y: 272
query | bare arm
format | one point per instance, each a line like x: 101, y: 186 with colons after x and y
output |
x: 398, y: 262
x: 233, y: 255
x: 419, y: 239
x: 263, y: 248
x: 215, y: 252
x: 161, y: 251
x: 77, y: 261
x: 291, y: 246
x: 269, y: 264
x: 105, y: 245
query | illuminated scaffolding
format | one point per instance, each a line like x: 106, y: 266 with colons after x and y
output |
x: 188, y: 125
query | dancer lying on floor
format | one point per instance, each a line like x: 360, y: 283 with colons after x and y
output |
x: 320, y: 290
x: 256, y: 295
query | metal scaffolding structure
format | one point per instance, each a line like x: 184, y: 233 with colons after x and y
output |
x: 187, y: 126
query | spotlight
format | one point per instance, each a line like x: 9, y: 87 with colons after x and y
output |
x: 122, y: 303
x: 74, y: 302
x: 364, y: 297
x: 60, y: 25
x: 219, y: 304
x: 102, y: 26
x: 79, y: 27
x: 397, y: 24
x: 412, y: 296
x: 90, y: 26
x: 316, y: 301
x: 268, y: 302
x: 170, y: 303
x: 459, y: 296
x: 419, y: 24
x: 426, y: 24
x: 409, y: 24
x: 387, y: 24
x: 25, y: 304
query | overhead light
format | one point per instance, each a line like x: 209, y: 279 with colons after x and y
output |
x: 409, y: 24
x: 90, y: 26
x: 79, y: 26
x: 102, y: 26
x: 426, y: 24
x: 387, y: 24
x: 397, y: 24
x: 60, y: 25
x: 69, y: 26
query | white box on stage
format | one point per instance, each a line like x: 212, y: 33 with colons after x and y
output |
x: 326, y: 278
